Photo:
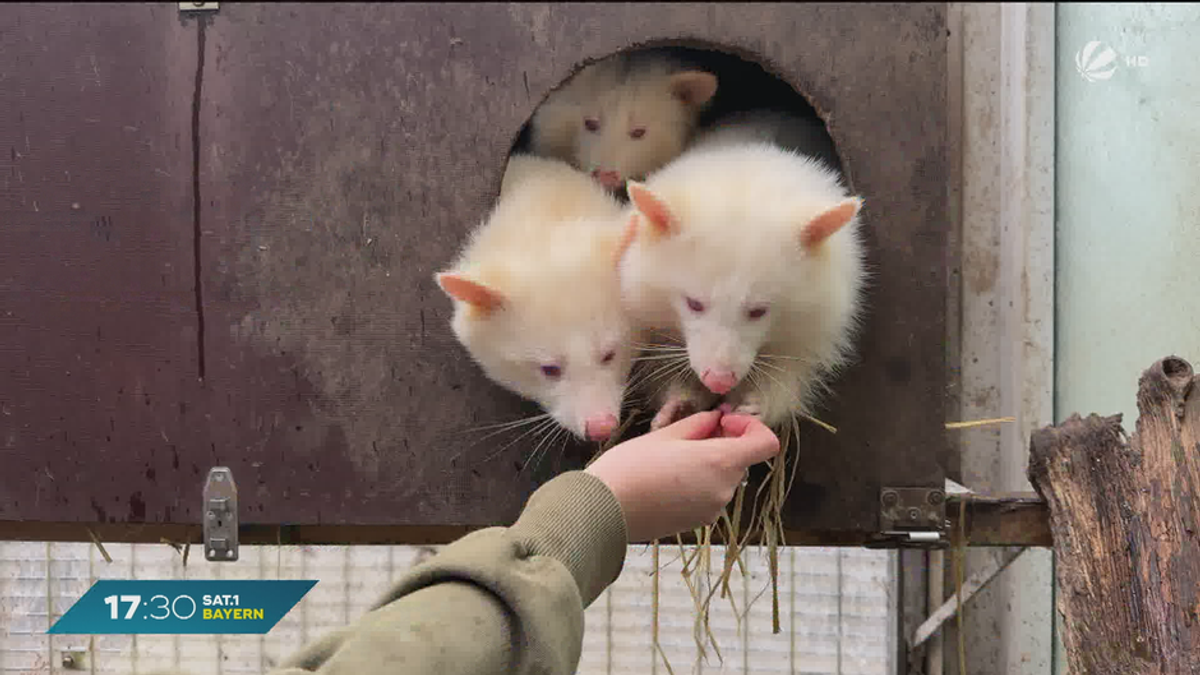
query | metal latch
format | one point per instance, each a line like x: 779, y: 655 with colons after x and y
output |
x: 198, y: 6
x: 220, y: 516
x: 912, y: 518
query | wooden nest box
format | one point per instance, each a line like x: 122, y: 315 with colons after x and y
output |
x: 220, y: 232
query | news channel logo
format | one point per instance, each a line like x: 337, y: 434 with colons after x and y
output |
x: 1096, y: 61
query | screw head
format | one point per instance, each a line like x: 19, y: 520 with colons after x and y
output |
x: 890, y: 498
x: 914, y: 514
x: 936, y: 497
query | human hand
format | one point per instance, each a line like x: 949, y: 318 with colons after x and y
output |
x: 682, y: 475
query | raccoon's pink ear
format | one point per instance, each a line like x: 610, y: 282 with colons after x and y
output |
x: 823, y: 226
x: 662, y: 221
x: 471, y: 292
x: 627, y: 238
x: 694, y: 87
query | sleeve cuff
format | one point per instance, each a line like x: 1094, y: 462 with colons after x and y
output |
x: 575, y: 519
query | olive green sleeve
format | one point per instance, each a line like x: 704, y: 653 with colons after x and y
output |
x: 499, y: 600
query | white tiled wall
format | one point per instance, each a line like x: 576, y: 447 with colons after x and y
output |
x: 836, y: 610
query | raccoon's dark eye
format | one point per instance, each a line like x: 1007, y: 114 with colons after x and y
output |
x: 695, y: 305
x: 591, y: 124
x: 757, y: 313
x: 608, y: 357
x: 552, y: 372
x: 637, y: 133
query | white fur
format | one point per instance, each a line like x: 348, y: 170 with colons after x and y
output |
x: 622, y: 93
x: 549, y: 247
x: 740, y: 209
x: 784, y: 129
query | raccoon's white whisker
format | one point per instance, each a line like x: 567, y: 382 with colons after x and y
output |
x: 676, y: 376
x: 668, y: 337
x: 759, y: 363
x: 562, y: 444
x: 795, y: 403
x: 495, y: 433
x: 664, y: 350
x: 542, y: 442
x: 656, y: 346
x: 533, y: 430
x: 661, y: 371
x: 782, y: 357
x: 658, y: 357
x: 669, y: 371
x: 753, y: 375
x: 498, y: 429
x: 505, y: 426
x: 551, y: 440
x: 558, y: 434
x: 793, y: 400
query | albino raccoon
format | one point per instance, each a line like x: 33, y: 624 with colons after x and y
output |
x: 623, y: 117
x: 537, y: 300
x: 752, y: 254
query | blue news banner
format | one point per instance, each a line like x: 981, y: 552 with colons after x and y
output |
x: 182, y: 607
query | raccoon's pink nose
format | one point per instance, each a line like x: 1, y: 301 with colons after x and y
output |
x: 720, y: 381
x: 600, y: 427
x: 609, y: 179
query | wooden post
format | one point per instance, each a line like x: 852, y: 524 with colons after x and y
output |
x: 1125, y: 518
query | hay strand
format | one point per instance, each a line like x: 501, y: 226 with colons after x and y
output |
x: 765, y: 524
x: 980, y: 423
x: 654, y: 609
x: 824, y: 425
x: 96, y: 541
x: 766, y: 521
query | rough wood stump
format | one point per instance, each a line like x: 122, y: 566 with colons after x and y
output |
x: 1124, y: 514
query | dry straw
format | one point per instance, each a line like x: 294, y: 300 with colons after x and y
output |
x: 766, y: 519
x: 664, y: 364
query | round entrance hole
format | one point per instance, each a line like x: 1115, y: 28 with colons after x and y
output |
x: 626, y: 114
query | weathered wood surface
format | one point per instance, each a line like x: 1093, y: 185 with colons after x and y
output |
x: 343, y: 153
x: 101, y: 413
x: 1014, y: 519
x: 1125, y: 514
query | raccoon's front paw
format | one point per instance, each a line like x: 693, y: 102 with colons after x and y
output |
x: 750, y: 404
x: 751, y: 409
x: 675, y: 409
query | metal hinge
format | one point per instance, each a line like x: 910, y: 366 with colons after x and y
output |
x: 911, y: 518
x: 220, y: 516
x: 198, y: 6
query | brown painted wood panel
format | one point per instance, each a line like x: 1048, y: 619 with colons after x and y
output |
x: 344, y: 153
x: 98, y: 352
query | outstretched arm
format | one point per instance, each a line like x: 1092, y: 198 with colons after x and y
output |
x: 511, y: 600
x: 499, y: 600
